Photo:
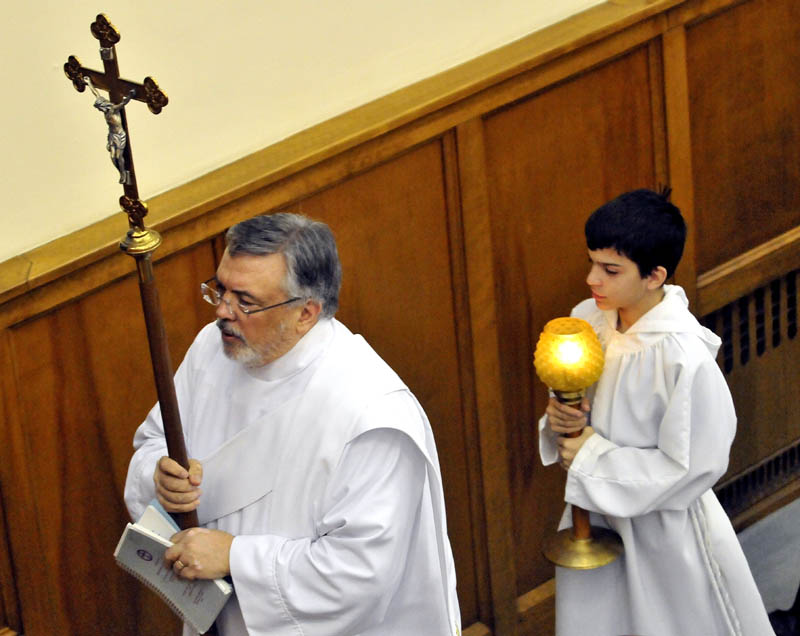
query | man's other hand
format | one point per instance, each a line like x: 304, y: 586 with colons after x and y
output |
x: 177, y: 489
x: 199, y: 553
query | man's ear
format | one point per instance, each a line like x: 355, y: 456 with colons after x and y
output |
x: 309, y: 314
x: 657, y: 277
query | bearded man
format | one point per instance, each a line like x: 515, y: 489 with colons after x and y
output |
x: 317, y: 483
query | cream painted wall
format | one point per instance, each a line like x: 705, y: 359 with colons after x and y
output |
x: 311, y: 59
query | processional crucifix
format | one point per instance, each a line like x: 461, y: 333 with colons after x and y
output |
x: 139, y: 242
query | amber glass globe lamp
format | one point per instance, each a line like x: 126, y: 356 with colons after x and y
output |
x: 568, y: 358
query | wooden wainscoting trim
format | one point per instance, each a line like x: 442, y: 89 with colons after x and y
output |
x: 655, y: 62
x: 9, y: 603
x: 766, y: 506
x: 493, y: 435
x: 331, y: 138
x: 14, y: 273
x: 537, y: 610
x: 679, y: 143
x: 747, y: 272
x: 458, y: 263
x: 770, y: 484
x: 697, y: 10
x: 476, y: 629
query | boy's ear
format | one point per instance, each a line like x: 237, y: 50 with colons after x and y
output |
x: 657, y: 277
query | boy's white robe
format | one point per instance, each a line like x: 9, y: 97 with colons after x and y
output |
x: 323, y: 466
x: 664, y: 423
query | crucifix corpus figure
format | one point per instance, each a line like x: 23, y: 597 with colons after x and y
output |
x: 117, y: 137
x: 120, y: 93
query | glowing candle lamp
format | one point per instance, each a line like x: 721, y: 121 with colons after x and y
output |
x: 568, y: 357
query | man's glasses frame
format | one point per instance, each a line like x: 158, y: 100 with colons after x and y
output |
x: 213, y: 297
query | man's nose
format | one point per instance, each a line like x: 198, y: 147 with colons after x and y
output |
x: 224, y: 310
x: 591, y: 277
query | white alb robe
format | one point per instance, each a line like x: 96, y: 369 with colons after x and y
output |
x: 664, y: 423
x: 323, y: 466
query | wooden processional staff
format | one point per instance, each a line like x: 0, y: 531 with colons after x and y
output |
x: 139, y: 242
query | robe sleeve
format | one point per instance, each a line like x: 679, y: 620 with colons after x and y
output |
x: 341, y: 581
x: 548, y: 445
x: 694, y: 439
x: 150, y: 445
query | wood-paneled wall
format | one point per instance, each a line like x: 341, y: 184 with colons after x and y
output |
x: 458, y: 206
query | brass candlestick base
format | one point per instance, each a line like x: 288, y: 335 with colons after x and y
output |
x: 140, y: 241
x: 603, y: 547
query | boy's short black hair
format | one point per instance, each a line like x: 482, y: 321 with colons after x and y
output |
x: 643, y: 226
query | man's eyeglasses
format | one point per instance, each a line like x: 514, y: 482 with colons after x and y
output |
x: 214, y: 296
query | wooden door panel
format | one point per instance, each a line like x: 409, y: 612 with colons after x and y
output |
x: 744, y: 89
x: 84, y: 383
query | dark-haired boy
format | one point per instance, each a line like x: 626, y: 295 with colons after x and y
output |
x: 662, y: 422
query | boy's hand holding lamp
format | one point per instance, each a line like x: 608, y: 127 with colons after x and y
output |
x: 569, y: 359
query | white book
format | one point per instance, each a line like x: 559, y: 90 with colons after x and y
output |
x: 140, y: 551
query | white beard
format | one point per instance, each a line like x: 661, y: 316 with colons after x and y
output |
x: 244, y: 353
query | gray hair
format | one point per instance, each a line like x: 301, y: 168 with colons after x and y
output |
x: 312, y: 261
